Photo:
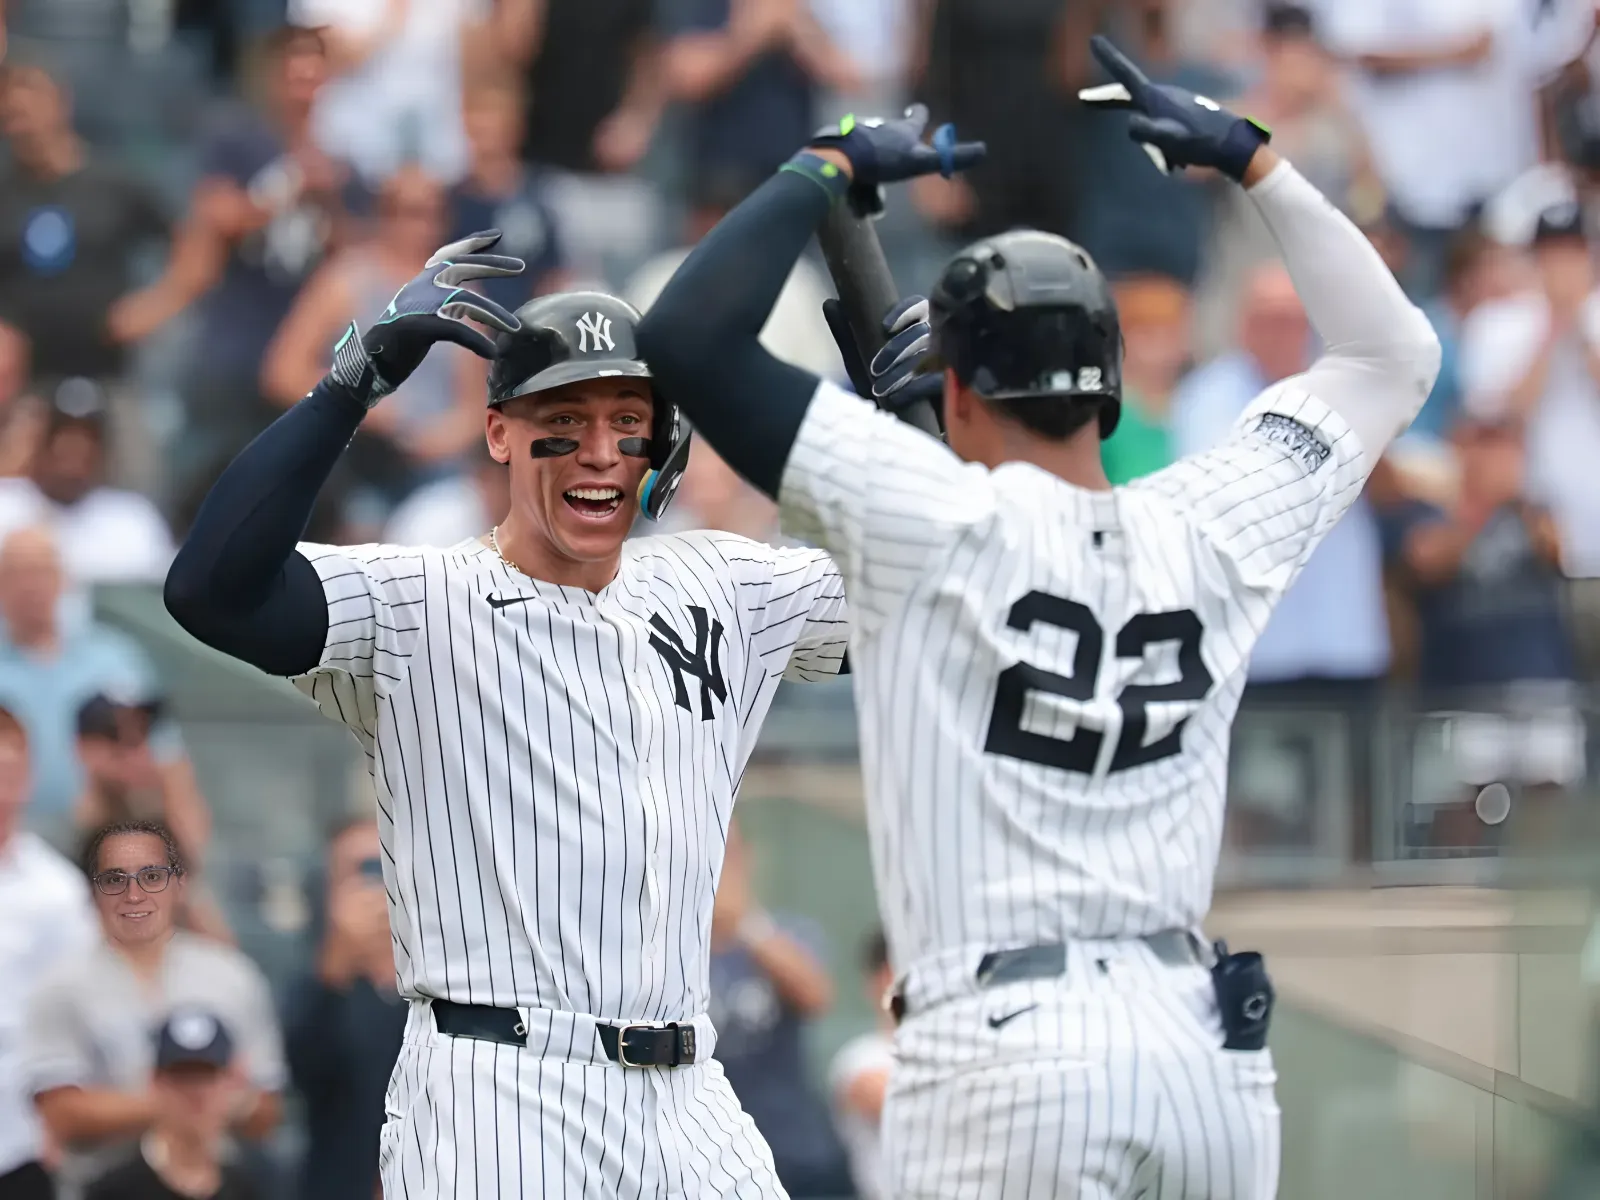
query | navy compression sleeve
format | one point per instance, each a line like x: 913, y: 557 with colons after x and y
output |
x: 701, y: 336
x: 238, y: 584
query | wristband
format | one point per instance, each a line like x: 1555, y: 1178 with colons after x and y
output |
x: 820, y: 171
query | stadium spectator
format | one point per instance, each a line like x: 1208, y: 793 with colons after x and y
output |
x: 88, y: 1045
x: 501, y: 192
x: 1328, y: 640
x: 1535, y: 357
x: 455, y: 508
x: 859, y: 1078
x: 195, y: 1090
x: 22, y: 410
x: 747, y: 69
x: 1297, y: 95
x: 1007, y: 74
x: 594, y: 97
x: 1135, y: 218
x: 105, y: 534
x: 268, y: 208
x: 1428, y: 78
x: 767, y: 982
x: 47, y: 918
x: 344, y: 1023
x: 69, y: 229
x: 712, y: 496
x: 395, y: 95
x: 427, y: 426
x: 48, y: 671
x: 1156, y: 320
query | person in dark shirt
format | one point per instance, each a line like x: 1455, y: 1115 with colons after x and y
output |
x: 1486, y: 576
x: 344, y: 1025
x: 593, y: 89
x: 748, y: 69
x: 195, y: 1088
x: 268, y: 209
x: 501, y: 192
x: 68, y: 229
x: 766, y: 984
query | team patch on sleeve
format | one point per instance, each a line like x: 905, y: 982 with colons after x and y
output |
x: 1299, y: 440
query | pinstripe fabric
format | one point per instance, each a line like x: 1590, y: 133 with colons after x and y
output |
x: 474, y: 1119
x: 1112, y: 1086
x: 554, y: 773
x: 974, y: 849
x: 1045, y: 680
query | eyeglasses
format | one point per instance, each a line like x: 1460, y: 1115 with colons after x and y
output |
x: 151, y: 879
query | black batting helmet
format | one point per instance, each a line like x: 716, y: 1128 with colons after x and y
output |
x: 1028, y: 315
x: 573, y: 336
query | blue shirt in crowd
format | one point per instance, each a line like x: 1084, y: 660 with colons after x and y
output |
x: 760, y: 1044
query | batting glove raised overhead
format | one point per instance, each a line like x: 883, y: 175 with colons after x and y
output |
x: 883, y: 152
x: 1177, y: 128
x: 896, y: 370
x: 434, y: 307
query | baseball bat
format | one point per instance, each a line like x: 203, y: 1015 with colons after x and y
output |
x: 867, y: 291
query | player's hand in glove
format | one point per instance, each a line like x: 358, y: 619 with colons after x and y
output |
x: 883, y: 152
x: 433, y: 307
x: 896, y: 382
x: 1176, y: 127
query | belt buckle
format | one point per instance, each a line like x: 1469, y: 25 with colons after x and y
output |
x: 622, y: 1043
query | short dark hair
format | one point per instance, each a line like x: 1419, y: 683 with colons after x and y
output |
x: 1053, y: 417
x: 90, y: 858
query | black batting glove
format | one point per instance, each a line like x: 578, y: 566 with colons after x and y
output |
x: 897, y: 381
x: 434, y: 307
x: 883, y: 152
x: 1176, y: 127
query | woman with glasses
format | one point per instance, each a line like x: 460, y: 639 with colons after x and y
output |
x: 88, y: 1037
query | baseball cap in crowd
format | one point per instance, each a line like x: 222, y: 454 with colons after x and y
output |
x: 105, y: 716
x: 1560, y: 220
x: 193, y: 1037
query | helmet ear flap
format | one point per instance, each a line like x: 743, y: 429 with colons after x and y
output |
x: 660, y: 484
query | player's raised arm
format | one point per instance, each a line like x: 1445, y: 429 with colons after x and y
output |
x: 701, y: 336
x: 1382, y: 355
x: 238, y: 583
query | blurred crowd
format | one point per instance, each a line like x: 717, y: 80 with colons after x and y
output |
x: 197, y: 196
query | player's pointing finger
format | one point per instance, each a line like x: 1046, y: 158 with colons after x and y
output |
x: 1119, y: 66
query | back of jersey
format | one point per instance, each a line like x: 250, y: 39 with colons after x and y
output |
x: 1045, y: 675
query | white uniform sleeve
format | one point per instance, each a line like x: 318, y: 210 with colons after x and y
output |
x: 883, y: 498
x: 803, y: 627
x: 1301, y: 453
x: 375, y: 598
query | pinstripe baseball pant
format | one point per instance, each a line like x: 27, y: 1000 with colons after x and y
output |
x: 481, y: 1121
x: 1108, y: 1083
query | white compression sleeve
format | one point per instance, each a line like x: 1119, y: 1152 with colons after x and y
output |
x: 1381, y: 353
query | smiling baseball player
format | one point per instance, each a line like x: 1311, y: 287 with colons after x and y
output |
x: 556, y: 720
x: 1046, y: 667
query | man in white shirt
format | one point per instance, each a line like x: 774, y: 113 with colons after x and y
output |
x: 1433, y: 77
x: 1535, y: 357
x: 396, y: 97
x: 454, y: 508
x: 47, y: 919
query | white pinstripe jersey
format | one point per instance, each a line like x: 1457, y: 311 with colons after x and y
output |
x: 555, y: 769
x: 1045, y: 676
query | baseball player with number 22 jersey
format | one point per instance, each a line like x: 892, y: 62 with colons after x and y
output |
x: 1046, y: 667
x: 556, y: 720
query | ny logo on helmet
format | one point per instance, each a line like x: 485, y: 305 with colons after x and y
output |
x: 596, y: 326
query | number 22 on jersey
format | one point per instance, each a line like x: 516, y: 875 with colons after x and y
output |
x: 1081, y: 751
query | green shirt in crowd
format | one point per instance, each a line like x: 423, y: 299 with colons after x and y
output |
x: 1139, y: 447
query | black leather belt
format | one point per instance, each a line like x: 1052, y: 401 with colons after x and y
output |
x: 1175, y: 947
x: 670, y: 1045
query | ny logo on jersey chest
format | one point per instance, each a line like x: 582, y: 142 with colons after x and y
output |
x: 704, y: 662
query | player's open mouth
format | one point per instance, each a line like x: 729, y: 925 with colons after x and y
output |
x: 595, y: 503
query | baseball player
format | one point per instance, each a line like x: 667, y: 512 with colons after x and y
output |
x: 1046, y: 667
x: 556, y: 720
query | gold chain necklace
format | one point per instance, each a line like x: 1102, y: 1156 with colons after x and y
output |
x: 494, y: 544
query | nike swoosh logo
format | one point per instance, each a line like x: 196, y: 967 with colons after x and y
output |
x: 508, y: 601
x: 996, y: 1022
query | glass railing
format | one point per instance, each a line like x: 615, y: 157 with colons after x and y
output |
x: 1434, y: 1040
